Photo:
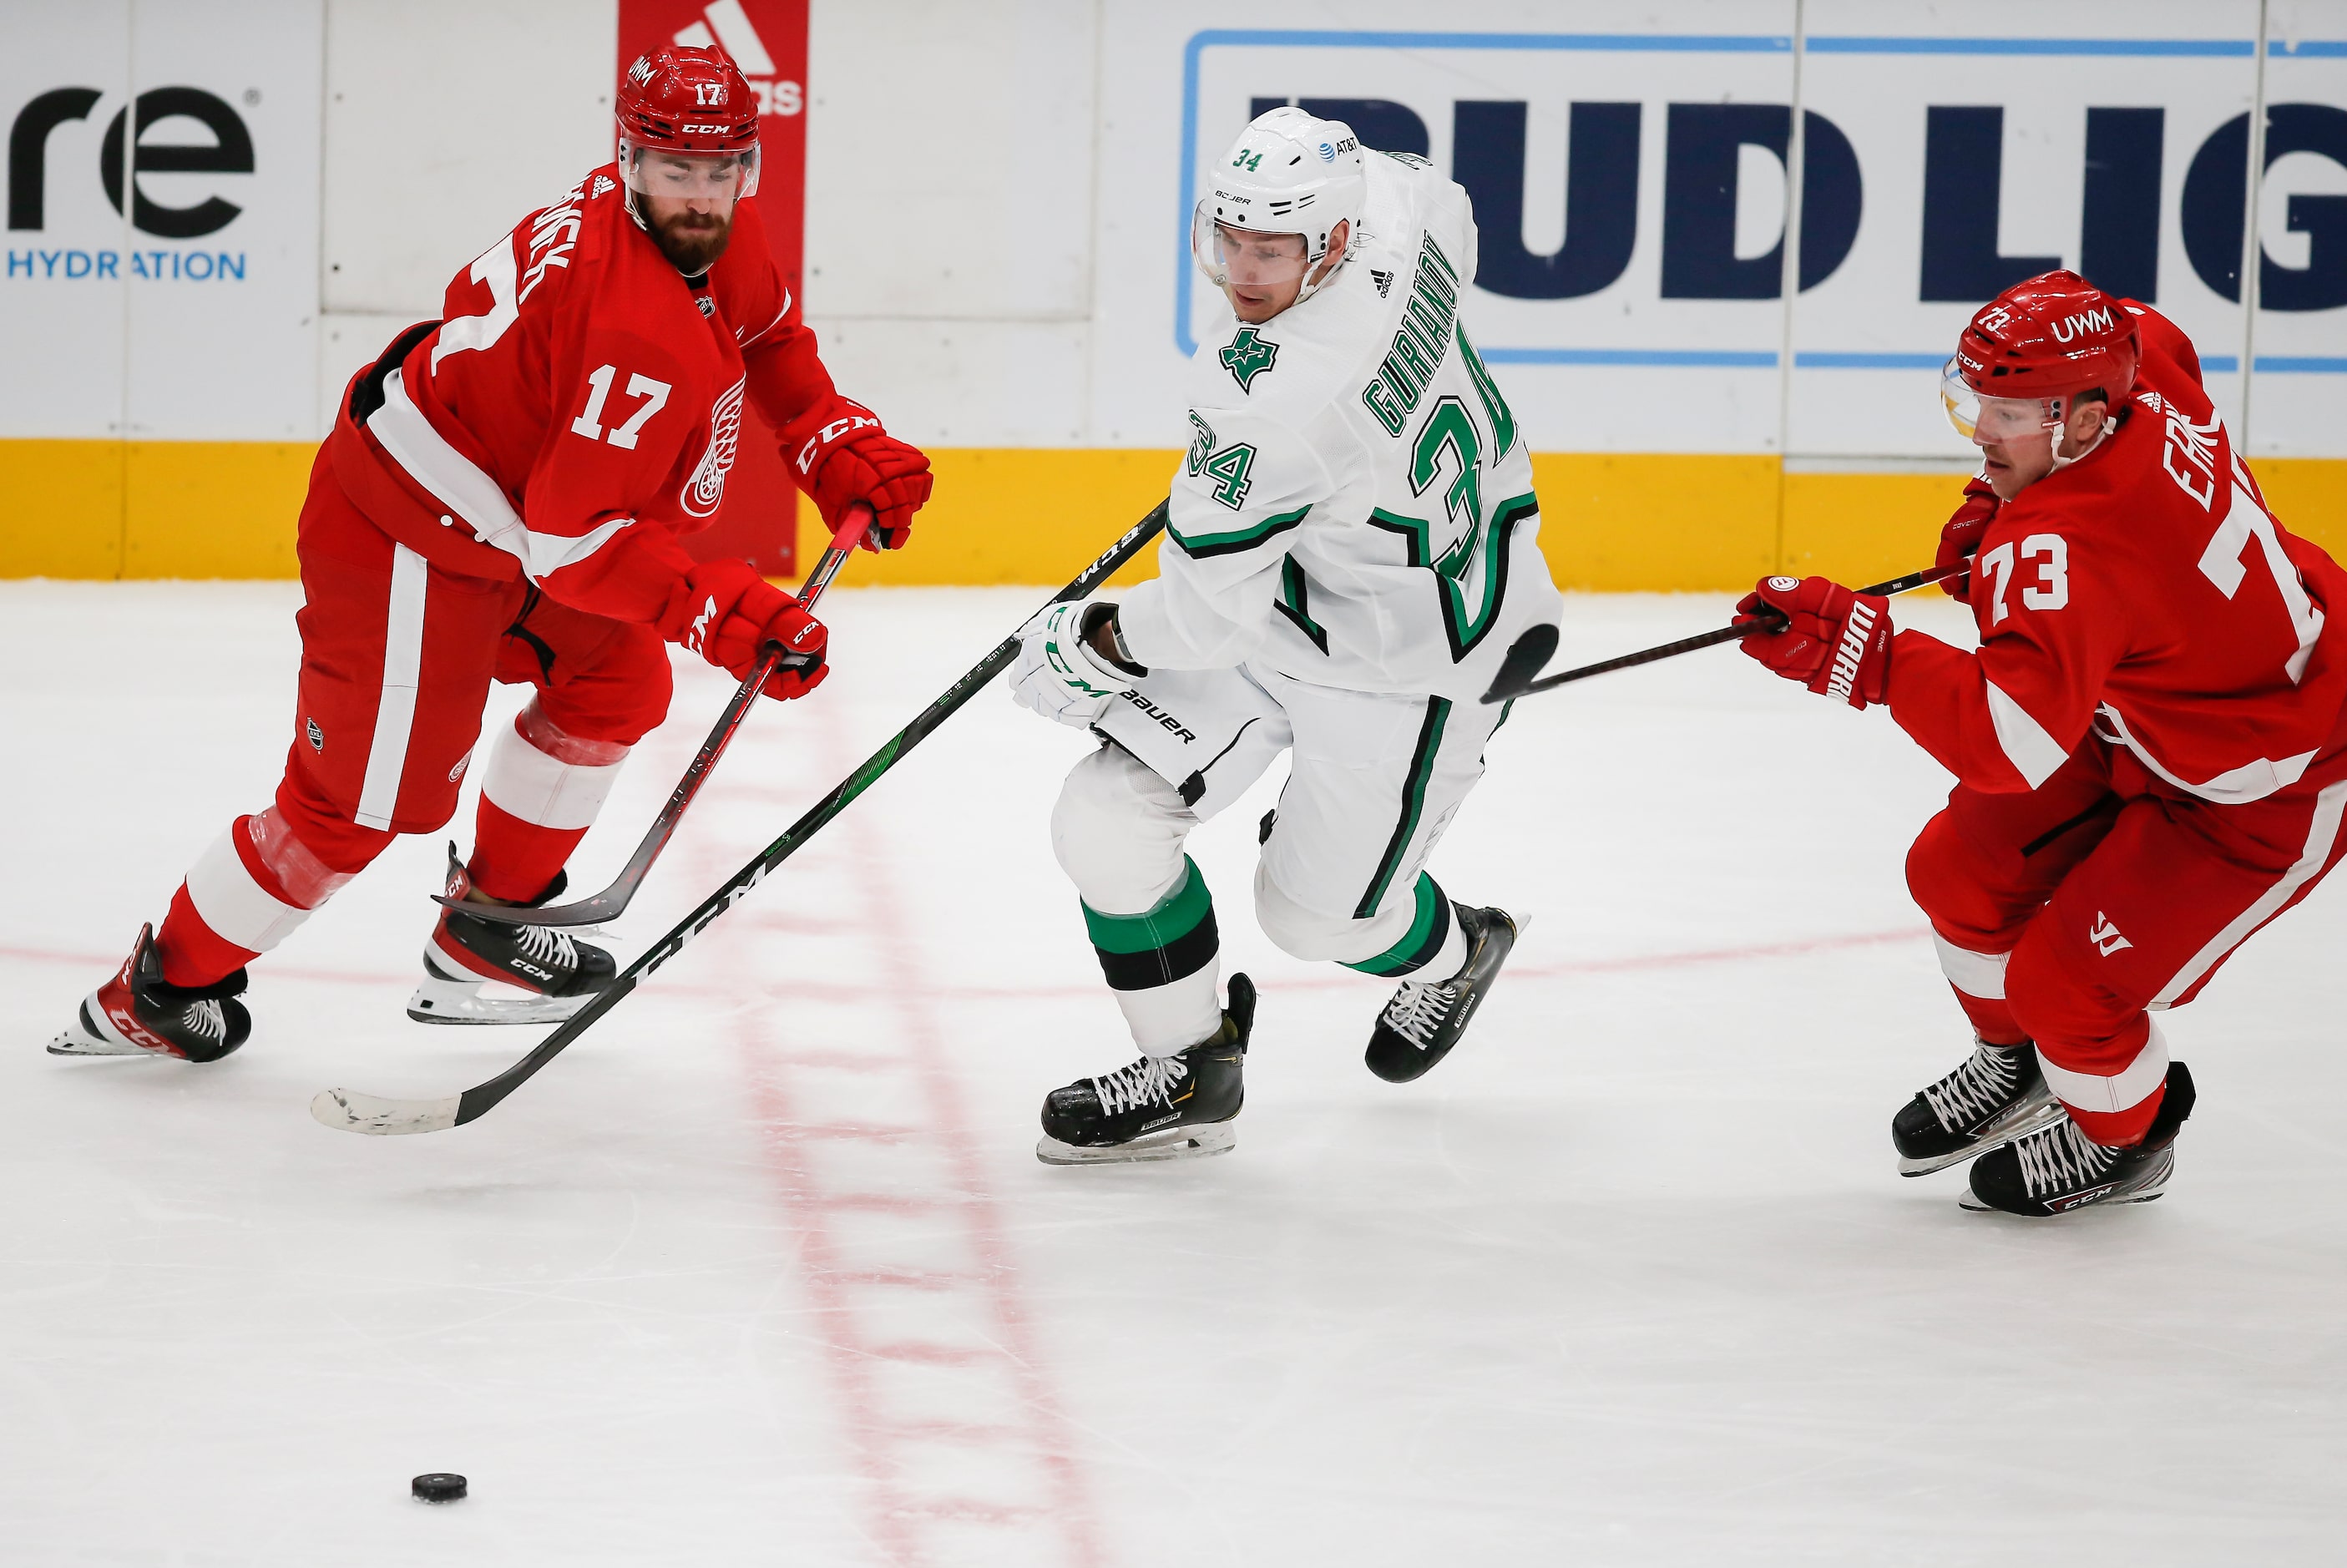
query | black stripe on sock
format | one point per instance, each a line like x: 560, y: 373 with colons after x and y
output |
x: 1438, y: 933
x: 1177, y: 959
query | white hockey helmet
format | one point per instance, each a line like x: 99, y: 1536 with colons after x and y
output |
x: 1288, y: 173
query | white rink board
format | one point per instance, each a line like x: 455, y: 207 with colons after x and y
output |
x: 1647, y: 351
x: 763, y: 1269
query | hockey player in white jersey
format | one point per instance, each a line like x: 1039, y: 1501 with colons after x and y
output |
x: 1353, y: 544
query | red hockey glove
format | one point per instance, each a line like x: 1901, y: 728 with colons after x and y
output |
x: 841, y: 455
x: 735, y: 612
x: 1961, y: 536
x: 1835, y: 642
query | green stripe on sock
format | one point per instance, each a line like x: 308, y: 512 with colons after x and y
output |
x: 1428, y: 926
x: 1175, y: 917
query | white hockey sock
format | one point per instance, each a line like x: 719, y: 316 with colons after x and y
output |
x: 1449, y: 958
x: 233, y: 905
x: 548, y: 779
x: 1168, y: 1020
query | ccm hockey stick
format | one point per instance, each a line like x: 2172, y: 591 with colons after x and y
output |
x: 607, y: 905
x: 1538, y: 644
x: 349, y: 1111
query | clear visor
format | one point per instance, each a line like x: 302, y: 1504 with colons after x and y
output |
x: 1243, y: 258
x: 689, y: 176
x: 1989, y: 420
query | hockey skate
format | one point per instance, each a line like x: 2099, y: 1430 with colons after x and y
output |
x: 1175, y: 1107
x: 1426, y: 1017
x: 138, y: 1013
x: 554, y: 973
x: 1996, y: 1096
x: 2060, y: 1169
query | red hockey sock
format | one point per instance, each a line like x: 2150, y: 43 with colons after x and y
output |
x: 540, y: 794
x: 192, y: 953
x: 2120, y: 1129
x: 1991, y: 1019
x: 516, y: 860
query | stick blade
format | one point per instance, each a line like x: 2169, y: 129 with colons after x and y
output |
x: 348, y: 1110
x: 601, y: 910
x: 1535, y: 649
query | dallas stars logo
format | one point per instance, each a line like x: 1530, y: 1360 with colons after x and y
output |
x: 1247, y: 356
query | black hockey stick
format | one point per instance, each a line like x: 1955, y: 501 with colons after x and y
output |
x: 1538, y: 644
x: 607, y: 905
x: 349, y: 1111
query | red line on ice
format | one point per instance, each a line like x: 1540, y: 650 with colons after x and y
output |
x: 848, y: 1359
x: 1049, y: 1430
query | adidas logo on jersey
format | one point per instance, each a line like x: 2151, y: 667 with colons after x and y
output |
x: 603, y: 186
x: 1384, y: 280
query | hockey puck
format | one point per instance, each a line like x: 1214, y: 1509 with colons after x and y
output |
x: 438, y: 1488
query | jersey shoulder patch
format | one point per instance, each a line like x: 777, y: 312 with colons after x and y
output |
x: 1248, y: 354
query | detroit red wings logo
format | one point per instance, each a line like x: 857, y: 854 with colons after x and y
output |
x: 706, y: 489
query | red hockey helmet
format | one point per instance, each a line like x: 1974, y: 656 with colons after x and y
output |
x: 687, y: 117
x: 2050, y: 336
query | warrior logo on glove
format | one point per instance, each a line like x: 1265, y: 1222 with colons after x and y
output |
x: 1814, y: 630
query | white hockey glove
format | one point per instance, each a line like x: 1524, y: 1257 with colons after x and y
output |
x: 1057, y: 675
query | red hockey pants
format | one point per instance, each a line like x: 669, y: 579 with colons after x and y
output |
x: 397, y: 657
x: 2069, y: 913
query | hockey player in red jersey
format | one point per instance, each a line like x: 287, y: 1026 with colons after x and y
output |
x: 501, y: 499
x: 2149, y: 750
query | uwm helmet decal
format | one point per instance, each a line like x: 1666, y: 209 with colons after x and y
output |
x: 705, y: 491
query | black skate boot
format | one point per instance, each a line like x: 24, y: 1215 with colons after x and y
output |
x: 1175, y: 1107
x: 2061, y: 1169
x: 137, y: 1013
x: 1995, y: 1096
x: 1426, y: 1017
x: 465, y: 954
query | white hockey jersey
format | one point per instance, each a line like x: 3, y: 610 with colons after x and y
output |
x: 1356, y: 508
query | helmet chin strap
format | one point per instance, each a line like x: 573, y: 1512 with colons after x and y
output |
x: 2060, y: 432
x: 1320, y: 273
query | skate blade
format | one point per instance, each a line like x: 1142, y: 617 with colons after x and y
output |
x: 1971, y: 1204
x: 468, y: 1002
x: 82, y: 1040
x: 1182, y: 1143
x: 74, y: 1042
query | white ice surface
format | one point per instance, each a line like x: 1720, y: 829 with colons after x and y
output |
x: 764, y: 1270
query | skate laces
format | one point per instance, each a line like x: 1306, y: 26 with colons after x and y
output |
x: 2062, y: 1156
x: 548, y: 945
x: 1151, y: 1079
x: 1419, y: 1008
x: 1983, y: 1083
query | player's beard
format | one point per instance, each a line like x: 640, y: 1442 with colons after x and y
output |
x: 692, y: 240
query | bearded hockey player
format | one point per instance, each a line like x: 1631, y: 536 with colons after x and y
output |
x: 501, y: 499
x: 2149, y: 746
x: 1353, y: 544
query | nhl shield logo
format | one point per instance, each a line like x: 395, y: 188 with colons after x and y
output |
x: 706, y: 489
x: 316, y: 735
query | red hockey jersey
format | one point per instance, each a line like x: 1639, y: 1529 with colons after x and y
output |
x: 2146, y: 591
x: 579, y: 405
